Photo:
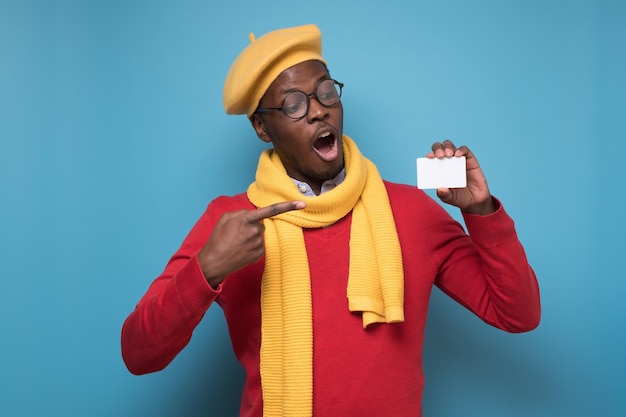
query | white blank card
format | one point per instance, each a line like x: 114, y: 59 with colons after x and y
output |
x: 446, y: 172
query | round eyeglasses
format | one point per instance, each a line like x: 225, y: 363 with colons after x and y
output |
x: 296, y: 103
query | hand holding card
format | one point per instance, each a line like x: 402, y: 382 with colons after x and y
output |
x: 437, y: 173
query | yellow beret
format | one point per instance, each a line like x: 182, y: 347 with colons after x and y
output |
x: 262, y: 62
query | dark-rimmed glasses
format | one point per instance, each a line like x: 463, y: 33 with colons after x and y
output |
x: 296, y: 103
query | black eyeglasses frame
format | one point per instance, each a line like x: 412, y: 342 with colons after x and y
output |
x: 308, y: 100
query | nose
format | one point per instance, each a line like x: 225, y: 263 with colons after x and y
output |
x: 317, y: 111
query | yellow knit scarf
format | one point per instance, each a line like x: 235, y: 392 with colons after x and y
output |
x: 376, y: 277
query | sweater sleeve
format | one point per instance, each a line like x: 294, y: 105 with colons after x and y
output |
x: 489, y: 273
x: 163, y: 321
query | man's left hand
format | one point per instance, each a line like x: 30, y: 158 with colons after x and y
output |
x: 475, y: 198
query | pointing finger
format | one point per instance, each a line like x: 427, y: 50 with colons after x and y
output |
x: 274, y: 210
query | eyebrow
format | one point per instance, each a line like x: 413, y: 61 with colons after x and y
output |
x: 317, y: 82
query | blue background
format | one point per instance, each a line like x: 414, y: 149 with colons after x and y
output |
x: 113, y: 139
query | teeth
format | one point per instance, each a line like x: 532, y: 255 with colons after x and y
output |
x: 325, y: 135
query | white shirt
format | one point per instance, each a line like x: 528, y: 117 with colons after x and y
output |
x: 327, y: 185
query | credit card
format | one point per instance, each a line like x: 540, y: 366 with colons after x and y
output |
x: 436, y: 173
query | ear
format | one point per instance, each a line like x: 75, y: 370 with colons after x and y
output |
x: 258, y: 124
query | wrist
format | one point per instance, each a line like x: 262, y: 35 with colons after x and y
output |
x: 214, y: 282
x: 482, y: 209
x: 213, y: 278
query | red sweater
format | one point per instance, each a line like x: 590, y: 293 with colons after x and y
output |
x: 373, y: 372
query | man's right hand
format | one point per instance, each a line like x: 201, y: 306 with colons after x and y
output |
x: 237, y: 240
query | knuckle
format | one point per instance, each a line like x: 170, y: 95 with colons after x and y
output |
x: 275, y: 209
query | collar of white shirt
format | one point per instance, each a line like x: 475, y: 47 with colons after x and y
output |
x: 327, y: 185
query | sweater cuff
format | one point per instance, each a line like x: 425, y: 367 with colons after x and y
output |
x: 492, y: 229
x: 193, y: 289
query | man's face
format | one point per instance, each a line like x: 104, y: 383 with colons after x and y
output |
x: 309, y: 148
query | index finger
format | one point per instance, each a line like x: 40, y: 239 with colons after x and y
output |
x: 274, y: 210
x: 445, y: 149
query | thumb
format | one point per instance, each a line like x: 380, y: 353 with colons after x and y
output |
x: 443, y: 193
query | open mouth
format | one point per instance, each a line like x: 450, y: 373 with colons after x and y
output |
x: 326, y: 146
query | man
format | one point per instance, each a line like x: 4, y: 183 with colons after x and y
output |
x: 324, y: 270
